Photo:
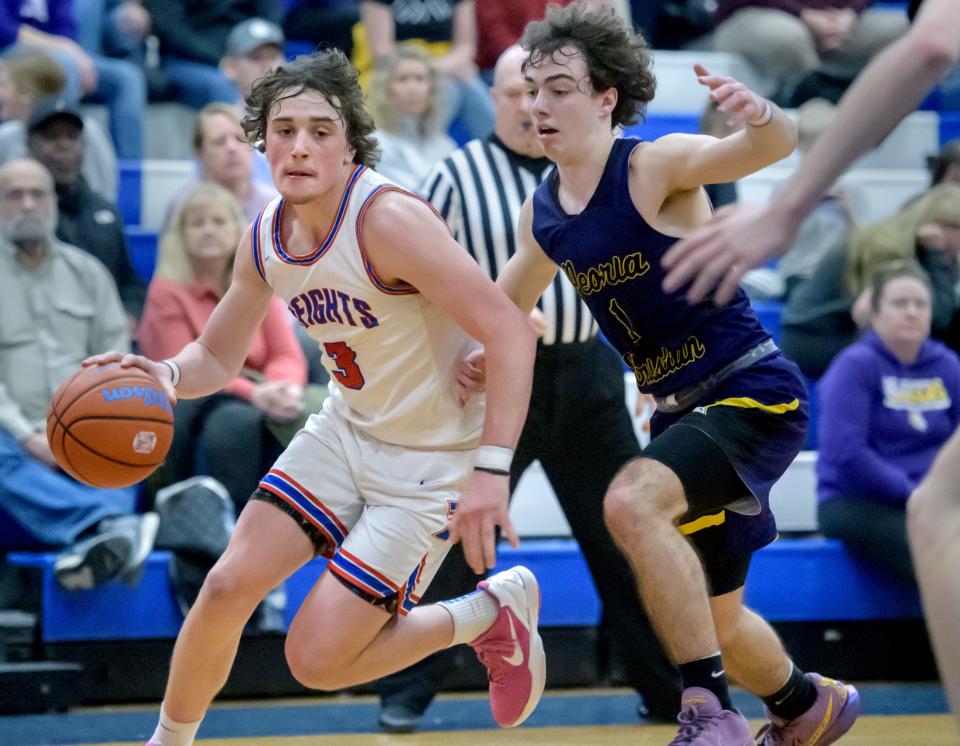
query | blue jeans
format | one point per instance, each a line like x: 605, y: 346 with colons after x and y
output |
x: 470, y: 106
x: 197, y: 84
x: 121, y: 86
x: 49, y: 507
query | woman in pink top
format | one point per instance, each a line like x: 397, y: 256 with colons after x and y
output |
x: 224, y: 435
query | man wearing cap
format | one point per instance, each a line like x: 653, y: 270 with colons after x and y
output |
x: 87, y: 220
x: 254, y: 48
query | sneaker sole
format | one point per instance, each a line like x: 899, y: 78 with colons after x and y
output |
x: 537, y: 660
x: 146, y: 536
x: 845, y: 718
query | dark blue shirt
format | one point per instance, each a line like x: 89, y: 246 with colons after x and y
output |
x: 612, y: 257
x: 51, y: 16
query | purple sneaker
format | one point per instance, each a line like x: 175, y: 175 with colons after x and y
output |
x: 703, y: 722
x: 832, y: 714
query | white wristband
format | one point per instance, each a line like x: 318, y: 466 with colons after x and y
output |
x: 765, y: 118
x: 494, y: 459
x: 174, y: 372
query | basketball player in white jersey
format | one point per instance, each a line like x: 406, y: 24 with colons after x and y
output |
x: 372, y: 480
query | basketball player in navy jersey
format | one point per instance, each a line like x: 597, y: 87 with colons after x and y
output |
x: 746, y: 236
x: 372, y: 480
x: 731, y: 413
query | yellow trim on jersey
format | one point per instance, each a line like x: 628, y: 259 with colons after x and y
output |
x: 745, y: 402
x: 704, y: 521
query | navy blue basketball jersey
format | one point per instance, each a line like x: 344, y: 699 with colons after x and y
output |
x: 612, y: 257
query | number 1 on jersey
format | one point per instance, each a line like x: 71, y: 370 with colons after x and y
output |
x: 348, y: 372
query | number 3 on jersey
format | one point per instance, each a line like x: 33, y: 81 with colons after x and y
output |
x: 347, y: 373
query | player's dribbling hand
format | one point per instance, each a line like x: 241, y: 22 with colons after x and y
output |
x: 482, y: 507
x: 733, y: 97
x: 160, y: 371
x: 471, y: 376
x: 718, y: 254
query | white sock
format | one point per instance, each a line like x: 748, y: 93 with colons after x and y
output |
x: 171, y: 733
x: 472, y: 614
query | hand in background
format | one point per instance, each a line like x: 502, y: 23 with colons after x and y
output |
x: 38, y: 448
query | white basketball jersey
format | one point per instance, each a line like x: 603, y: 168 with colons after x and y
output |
x: 392, y: 355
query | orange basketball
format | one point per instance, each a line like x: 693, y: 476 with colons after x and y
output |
x: 110, y: 426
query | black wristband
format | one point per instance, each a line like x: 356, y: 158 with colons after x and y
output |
x: 489, y: 470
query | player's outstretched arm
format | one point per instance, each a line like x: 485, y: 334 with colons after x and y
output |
x: 216, y: 357
x: 742, y: 237
x: 933, y: 525
x: 680, y: 162
x: 406, y: 241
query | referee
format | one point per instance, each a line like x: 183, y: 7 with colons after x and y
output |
x: 578, y: 426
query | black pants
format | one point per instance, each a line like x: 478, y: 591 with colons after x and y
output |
x: 875, y: 530
x: 223, y: 437
x: 579, y: 429
x: 333, y: 26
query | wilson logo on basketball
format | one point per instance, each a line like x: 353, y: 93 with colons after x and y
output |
x: 149, y: 395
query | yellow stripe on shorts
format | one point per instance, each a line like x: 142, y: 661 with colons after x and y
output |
x: 745, y: 402
x: 704, y: 521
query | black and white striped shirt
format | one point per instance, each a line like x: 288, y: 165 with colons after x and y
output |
x: 479, y: 191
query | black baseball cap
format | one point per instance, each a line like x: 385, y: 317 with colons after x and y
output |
x: 50, y: 108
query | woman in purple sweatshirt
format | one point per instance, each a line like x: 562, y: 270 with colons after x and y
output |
x: 888, y: 402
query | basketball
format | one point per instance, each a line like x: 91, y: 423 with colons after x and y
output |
x: 110, y: 426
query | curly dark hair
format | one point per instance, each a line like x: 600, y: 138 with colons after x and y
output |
x: 329, y: 72
x: 616, y: 57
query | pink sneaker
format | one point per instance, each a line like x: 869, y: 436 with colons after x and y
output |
x: 511, y: 649
x: 831, y: 715
x: 703, y: 722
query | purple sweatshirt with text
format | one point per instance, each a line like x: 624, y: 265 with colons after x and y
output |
x: 882, y: 422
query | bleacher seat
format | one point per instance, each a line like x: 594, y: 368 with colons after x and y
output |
x: 879, y: 193
x: 143, y: 250
x: 677, y: 89
x: 167, y: 129
x: 790, y: 580
x: 769, y: 312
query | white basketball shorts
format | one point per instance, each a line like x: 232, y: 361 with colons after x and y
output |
x: 379, y: 512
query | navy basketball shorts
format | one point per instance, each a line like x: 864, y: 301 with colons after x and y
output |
x: 727, y: 451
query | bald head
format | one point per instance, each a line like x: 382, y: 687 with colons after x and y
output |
x: 508, y: 65
x: 24, y: 168
x: 28, y: 211
x: 512, y: 120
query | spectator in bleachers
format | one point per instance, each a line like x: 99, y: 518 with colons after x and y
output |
x: 122, y: 29
x: 327, y: 22
x: 26, y: 76
x: 254, y: 48
x: 59, y: 307
x: 805, y: 48
x: 405, y: 100
x: 225, y: 158
x: 227, y: 435
x: 827, y: 226
x: 448, y: 31
x: 193, y: 39
x: 56, y: 139
x: 51, y: 26
x: 887, y: 404
x: 825, y: 312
